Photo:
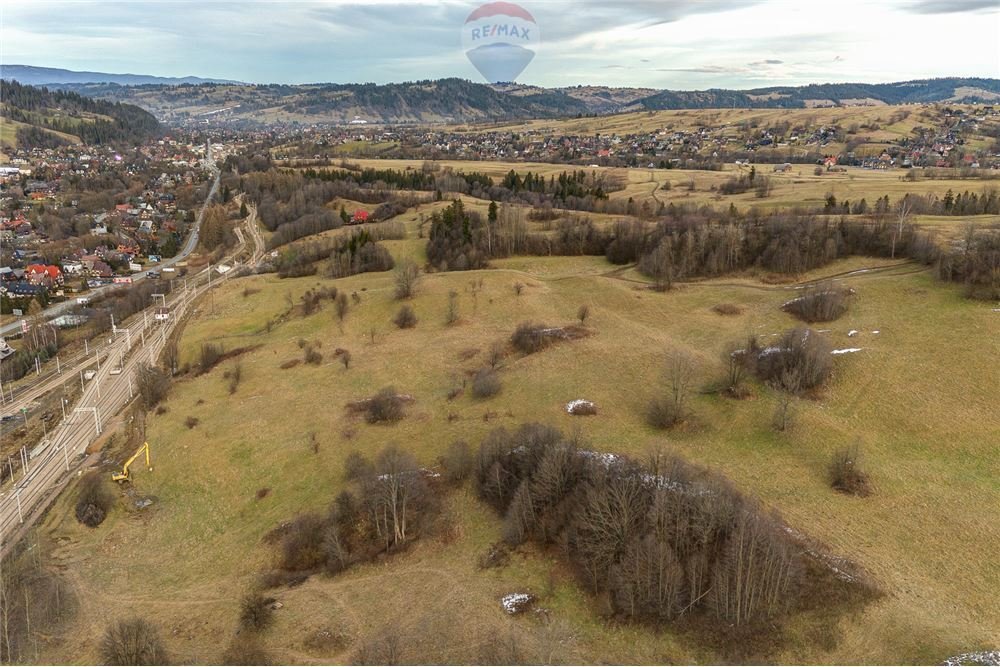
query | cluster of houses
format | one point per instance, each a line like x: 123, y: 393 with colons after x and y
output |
x: 140, y: 228
x: 665, y: 146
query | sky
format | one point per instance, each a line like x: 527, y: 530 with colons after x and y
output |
x: 677, y: 44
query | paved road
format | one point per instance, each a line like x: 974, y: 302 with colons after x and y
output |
x: 58, y: 309
x: 104, y: 396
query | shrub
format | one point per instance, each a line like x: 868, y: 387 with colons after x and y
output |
x: 800, y: 358
x: 457, y: 461
x: 384, y: 648
x: 498, y: 555
x: 727, y: 309
x: 583, y: 313
x: 312, y: 356
x: 235, y: 374
x: 663, y: 413
x: 210, y: 355
x: 93, y: 500
x: 357, y: 467
x: 191, y: 422
x: 256, y: 614
x: 302, y: 544
x: 385, y: 406
x: 486, y: 383
x: 820, y: 303
x: 245, y: 649
x: 132, y: 642
x: 518, y: 289
x: 530, y: 337
x: 405, y: 318
x: 846, y: 473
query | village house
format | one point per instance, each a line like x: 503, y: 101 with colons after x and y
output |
x: 45, y: 275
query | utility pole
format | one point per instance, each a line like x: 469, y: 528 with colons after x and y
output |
x: 97, y: 421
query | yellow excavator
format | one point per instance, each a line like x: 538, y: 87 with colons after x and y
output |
x: 125, y: 475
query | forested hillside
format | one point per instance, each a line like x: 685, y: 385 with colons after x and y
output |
x: 457, y: 100
x: 40, y: 113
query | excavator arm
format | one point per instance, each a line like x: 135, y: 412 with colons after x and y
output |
x: 125, y: 475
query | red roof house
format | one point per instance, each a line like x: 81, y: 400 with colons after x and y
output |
x: 40, y: 274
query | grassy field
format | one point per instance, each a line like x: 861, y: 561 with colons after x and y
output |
x: 693, y: 119
x: 9, y: 128
x: 800, y: 187
x: 920, y: 393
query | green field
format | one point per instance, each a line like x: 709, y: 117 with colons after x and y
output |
x: 921, y: 394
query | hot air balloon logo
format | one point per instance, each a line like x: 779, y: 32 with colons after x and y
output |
x: 500, y: 39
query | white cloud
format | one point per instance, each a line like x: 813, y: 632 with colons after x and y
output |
x: 662, y: 43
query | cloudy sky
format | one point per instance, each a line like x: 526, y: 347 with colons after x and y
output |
x: 680, y: 44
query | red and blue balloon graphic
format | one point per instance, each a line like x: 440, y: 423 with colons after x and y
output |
x: 500, y: 39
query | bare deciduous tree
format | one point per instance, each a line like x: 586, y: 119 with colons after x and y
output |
x: 406, y: 275
x: 495, y: 354
x: 451, y: 314
x: 790, y: 385
x: 153, y: 385
x: 671, y: 407
x: 342, y: 306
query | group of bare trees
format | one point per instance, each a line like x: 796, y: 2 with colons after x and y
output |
x: 389, y: 505
x: 34, y: 601
x: 974, y: 262
x: 662, y: 539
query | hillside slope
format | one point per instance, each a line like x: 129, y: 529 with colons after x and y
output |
x: 456, y: 100
x: 43, y: 118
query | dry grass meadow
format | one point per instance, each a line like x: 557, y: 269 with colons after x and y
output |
x: 921, y: 394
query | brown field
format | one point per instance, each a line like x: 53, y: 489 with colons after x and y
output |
x: 919, y: 394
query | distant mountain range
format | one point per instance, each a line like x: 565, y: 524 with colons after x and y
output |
x: 49, y: 76
x: 192, y: 100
